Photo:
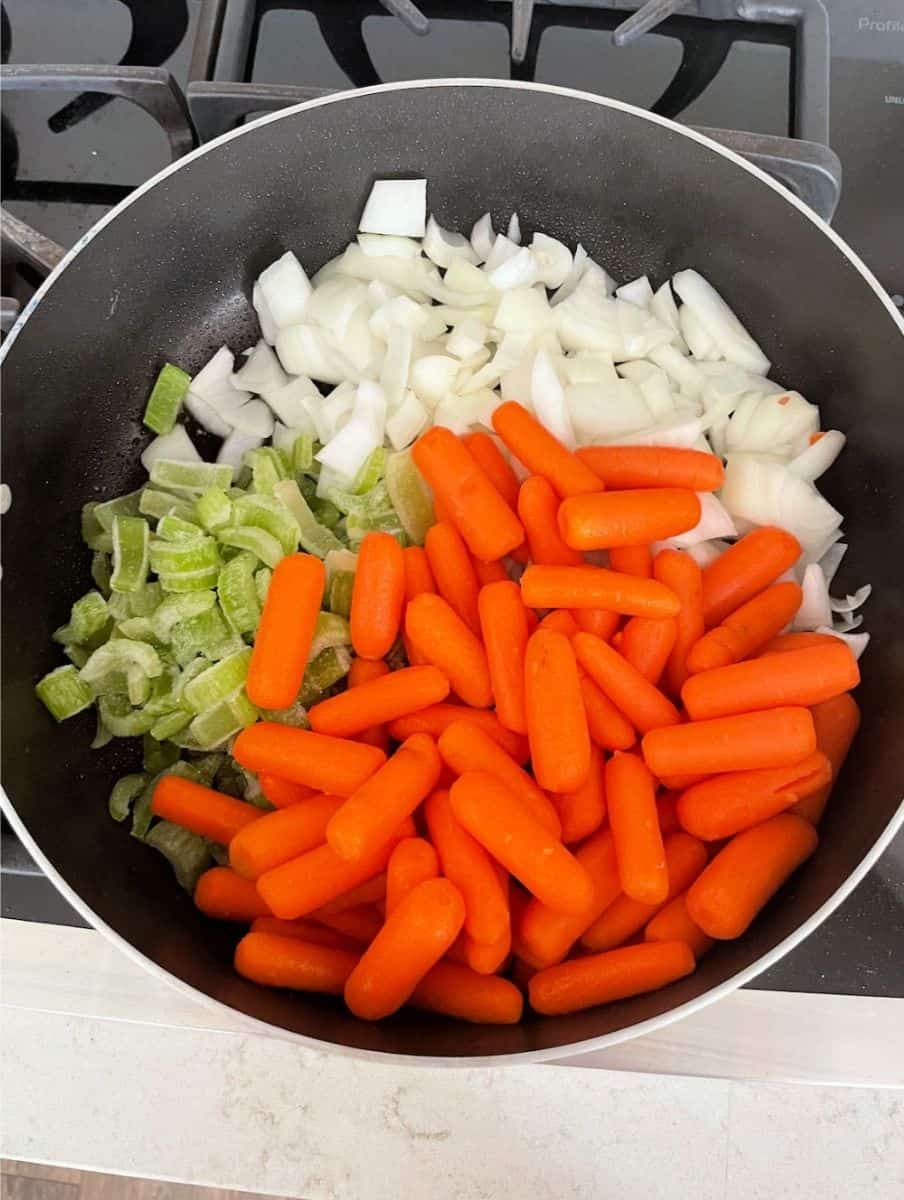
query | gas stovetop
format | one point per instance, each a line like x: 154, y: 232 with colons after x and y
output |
x: 779, y: 80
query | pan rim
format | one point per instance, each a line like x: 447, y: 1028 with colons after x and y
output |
x: 543, y: 1054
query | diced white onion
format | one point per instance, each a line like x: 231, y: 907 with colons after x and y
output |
x: 467, y: 338
x: 396, y: 365
x: 307, y: 350
x: 701, y: 345
x: 433, y: 377
x: 348, y: 450
x: 403, y: 426
x: 215, y: 375
x: 573, y: 278
x: 704, y: 553
x: 261, y: 372
x: 295, y: 403
x: 831, y: 560
x: 719, y: 321
x: 606, y: 414
x: 379, y: 245
x: 396, y: 206
x: 236, y: 446
x: 715, y: 522
x: 483, y: 237
x: 269, y: 328
x: 503, y: 249
x: 513, y: 233
x: 815, y: 609
x: 819, y: 456
x: 552, y: 260
x: 253, y: 418
x: 852, y: 602
x: 285, y: 289
x: 175, y: 445
x: 524, y: 310
x: 548, y: 399
x: 206, y: 416
x: 637, y: 292
x: 767, y: 494
x: 442, y: 246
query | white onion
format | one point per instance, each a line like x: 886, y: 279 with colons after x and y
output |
x: 396, y: 206
x: 349, y: 449
x: 442, y: 246
x: 396, y: 365
x: 606, y: 414
x: 381, y: 245
x: 215, y: 375
x: 294, y: 403
x: 269, y: 328
x: 433, y: 377
x: 819, y: 456
x: 591, y: 368
x: 206, y: 416
x: 333, y: 305
x: 253, y: 418
x: 483, y: 237
x: 307, y: 350
x: 465, y: 277
x: 548, y: 400
x: 637, y: 292
x: 176, y: 445
x: 831, y: 560
x: 406, y: 422
x: 467, y: 338
x: 513, y: 233
x: 682, y: 432
x: 679, y: 369
x: 654, y: 386
x: 235, y: 447
x: 517, y: 271
x: 578, y: 266
x: 719, y: 321
x: 704, y: 553
x: 764, y: 423
x: 715, y: 522
x: 701, y: 345
x: 260, y: 372
x: 664, y: 307
x: 552, y: 259
x: 285, y: 289
x: 284, y: 437
x: 814, y: 608
x: 334, y: 410
x: 852, y: 602
x: 524, y: 310
x: 503, y: 249
x: 767, y: 494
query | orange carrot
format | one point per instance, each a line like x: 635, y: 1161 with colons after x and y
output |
x: 799, y: 677
x: 371, y: 892
x: 438, y: 717
x: 300, y: 756
x: 378, y: 596
x: 455, y: 578
x: 538, y: 507
x: 459, y: 992
x: 492, y: 462
x: 541, y: 453
x: 283, y: 638
x: 561, y: 621
x: 414, y: 938
x: 583, y: 810
x: 602, y: 978
x: 633, y: 695
x: 654, y: 467
x: 667, y: 812
x: 673, y: 924
x: 744, y: 569
x: 486, y: 958
x: 647, y: 644
x: 747, y: 629
x: 678, y: 571
x: 556, y: 718
x: 287, y: 962
x: 603, y: 519
x: 202, y: 810
x: 442, y: 637
x: 606, y: 725
x: 222, y: 894
x: 471, y: 869
x: 748, y: 872
x: 795, y: 641
x: 281, y: 835
x: 490, y: 572
x: 595, y: 587
x: 477, y: 510
x: 836, y: 722
x: 724, y: 805
x: 517, y: 840
x: 632, y: 560
x: 390, y: 695
x: 281, y: 793
x: 368, y: 818
x: 412, y: 861
x: 360, y: 925
x: 304, y: 931
x: 774, y: 738
x: 418, y: 576
x: 631, y: 798
x: 685, y: 858
x: 601, y: 622
x: 504, y: 628
x: 366, y: 670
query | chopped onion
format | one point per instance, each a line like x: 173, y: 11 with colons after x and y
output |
x: 433, y: 377
x: 704, y: 553
x: 606, y: 414
x: 406, y: 422
x: 269, y: 328
x: 284, y: 438
x: 818, y: 456
x: 443, y: 247
x: 654, y: 386
x: 552, y: 260
x: 334, y: 410
x: 681, y: 432
x: 815, y: 609
x: 701, y: 345
x: 285, y: 289
x: 678, y: 368
x: 465, y: 277
x: 767, y: 423
x: 261, y: 372
x: 333, y: 305
x: 518, y: 270
x: 664, y: 307
x: 591, y: 368
x: 573, y: 278
x: 396, y: 365
x: 235, y: 447
x: 719, y: 321
x: 294, y: 403
x: 831, y: 560
x: 348, y: 450
x: 524, y: 310
x: 483, y: 237
x: 379, y: 245
x: 396, y: 206
x: 503, y: 249
x: 468, y: 337
x: 306, y: 350
x: 768, y: 494
x: 637, y: 292
x: 548, y: 399
x: 215, y: 375
x: 253, y: 418
x: 852, y: 602
x: 176, y: 445
x: 206, y: 416
x: 715, y: 522
x: 513, y: 233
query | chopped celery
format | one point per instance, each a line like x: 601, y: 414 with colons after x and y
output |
x: 138, y: 661
x: 326, y: 512
x: 169, y: 724
x: 231, y: 778
x: 237, y: 593
x: 77, y: 655
x: 101, y: 571
x: 192, y: 476
x: 409, y: 495
x: 242, y: 708
x: 190, y: 581
x: 314, y: 537
x: 157, y: 504
x: 206, y: 633
x: 102, y: 735
x: 213, y: 727
x: 340, y: 560
x: 120, y: 607
x: 206, y: 767
x: 268, y: 467
x: 214, y: 509
x: 125, y: 791
x: 141, y: 812
x: 173, y: 559
x: 130, y: 553
x: 121, y: 506
x: 64, y: 693
x: 174, y: 529
x: 156, y: 758
x: 324, y: 672
x: 264, y: 512
x: 174, y: 609
x: 187, y: 853
x: 249, y: 537
x: 94, y: 535
x: 262, y: 583
x: 166, y: 398
x: 371, y: 472
x: 340, y: 592
x: 121, y: 718
x: 146, y: 601
x: 164, y: 694
x: 88, y: 618
x: 358, y: 527
x: 330, y: 630
x: 296, y: 716
x: 218, y: 681
x: 375, y: 501
x: 302, y: 453
x: 138, y: 629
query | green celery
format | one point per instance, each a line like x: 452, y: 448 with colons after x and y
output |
x: 157, y: 504
x: 190, y: 581
x: 331, y: 629
x: 238, y: 595
x: 89, y: 618
x: 102, y: 735
x: 315, y: 538
x: 302, y: 453
x: 187, y: 853
x: 295, y: 715
x: 213, y: 727
x: 121, y: 718
x: 242, y: 708
x: 174, y: 529
x: 262, y: 579
x: 174, y: 609
x: 77, y: 655
x: 340, y: 592
x: 173, y: 559
x: 409, y: 496
x: 64, y: 693
x: 203, y: 633
x: 195, y: 477
x: 264, y: 512
x: 325, y: 671
x: 146, y: 601
x: 94, y: 535
x: 169, y: 724
x: 218, y: 681
x: 125, y: 792
x: 156, y: 758
x: 214, y: 509
x: 358, y: 527
x: 249, y: 537
x: 326, y: 512
x: 372, y: 471
x: 130, y: 553
x: 137, y: 661
x: 138, y: 629
x: 121, y: 506
x: 101, y: 571
x: 166, y: 398
x: 268, y: 467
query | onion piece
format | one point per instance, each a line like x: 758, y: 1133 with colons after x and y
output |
x: 654, y: 386
x: 285, y: 437
x: 206, y: 416
x: 852, y: 602
x: 606, y: 414
x: 719, y: 321
x: 269, y: 328
x: 664, y: 307
x: 382, y: 245
x: 682, y: 432
x: 524, y: 310
x: 334, y: 410
x: 857, y: 642
x: 552, y: 260
x: 236, y: 446
x: 591, y: 368
x: 467, y: 338
x: 406, y: 422
x: 831, y: 560
x: 679, y: 369
x: 215, y: 375
x: 348, y: 450
x: 396, y: 366
x: 578, y: 266
x: 702, y: 347
x: 285, y: 289
x: 715, y: 522
x: 260, y: 372
x: 463, y: 276
x: 503, y: 249
x: 637, y: 292
x: 433, y: 377
x: 442, y: 246
x: 519, y: 270
x: 548, y: 400
x: 815, y: 609
x: 482, y: 237
x: 396, y: 206
x: 766, y: 423
x: 253, y: 418
x: 294, y: 403
x: 818, y: 456
x: 307, y: 350
x: 767, y: 494
x: 704, y: 553
x: 513, y: 233
x: 176, y: 445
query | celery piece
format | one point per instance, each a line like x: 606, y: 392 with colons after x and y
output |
x: 264, y: 512
x: 141, y: 812
x: 166, y: 398
x: 119, y: 606
x: 296, y: 716
x: 326, y: 512
x: 214, y: 509
x: 371, y: 472
x: 92, y: 530
x: 155, y: 503
x: 324, y: 672
x: 102, y: 735
x: 409, y: 496
x: 193, y: 477
x: 190, y: 581
x: 213, y: 727
x: 268, y: 467
x: 217, y: 682
x: 101, y: 570
x: 138, y: 629
x: 249, y: 537
x: 340, y: 593
x: 121, y: 506
x: 64, y: 693
x: 121, y: 718
x: 330, y: 630
x: 262, y: 583
x: 340, y: 560
x: 77, y: 655
x: 184, y: 558
x: 174, y: 609
x: 130, y: 553
x: 125, y: 792
x: 169, y: 724
x: 88, y: 618
x: 137, y: 661
x: 174, y: 529
x: 187, y: 853
x: 201, y: 634
x: 146, y: 601
x: 315, y: 538
x: 156, y: 758
x: 357, y: 528
x: 375, y: 501
x: 237, y: 593
x: 241, y: 707
x: 302, y: 453
x: 164, y: 693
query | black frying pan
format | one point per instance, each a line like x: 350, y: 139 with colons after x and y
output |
x: 168, y: 275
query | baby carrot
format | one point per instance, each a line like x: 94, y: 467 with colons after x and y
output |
x: 654, y: 467
x: 489, y: 572
x: 370, y: 815
x: 647, y: 644
x: 667, y: 812
x: 747, y: 629
x: 283, y: 638
x: 603, y: 519
x: 287, y: 962
x: 440, y: 635
x: 538, y: 507
x: 744, y: 569
x: 795, y: 641
x: 390, y: 695
x: 633, y: 695
x: 774, y: 738
x: 632, y: 560
x: 486, y: 958
x: 202, y: 810
x: 678, y: 571
x: 281, y: 793
x: 378, y: 596
x: 583, y: 810
x: 281, y: 835
x: 418, y: 576
x: 300, y: 756
x: 724, y: 805
x: 455, y: 578
x: 517, y: 840
x: 457, y: 991
x: 602, y: 978
x: 477, y: 510
x: 414, y: 938
x: 556, y: 719
x: 595, y: 587
x: 631, y: 799
x: 222, y: 894
x: 541, y: 453
x: 366, y: 670
x: 747, y: 872
x: 606, y: 725
x: 799, y: 677
x: 685, y: 858
x: 360, y: 925
x: 304, y: 931
x: 371, y: 892
x: 561, y: 621
x: 504, y: 628
x: 412, y: 861
x: 471, y: 869
x: 438, y: 717
x: 673, y: 924
x: 836, y: 722
x: 492, y: 462
x: 601, y: 622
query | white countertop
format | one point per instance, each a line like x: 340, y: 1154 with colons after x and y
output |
x: 108, y: 1069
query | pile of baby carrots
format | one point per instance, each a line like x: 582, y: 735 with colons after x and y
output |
x: 581, y: 781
